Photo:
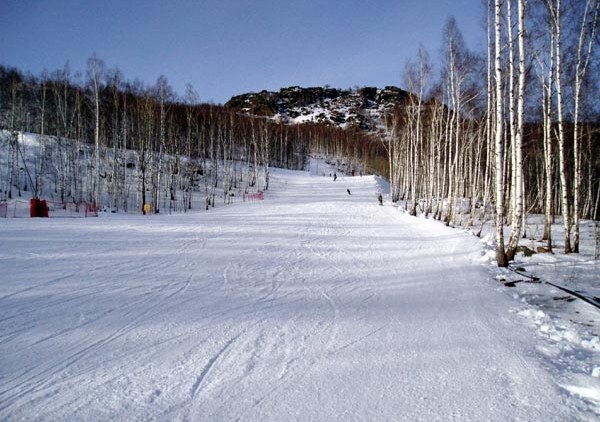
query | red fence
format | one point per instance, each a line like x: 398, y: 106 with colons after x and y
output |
x: 257, y: 196
x: 20, y: 208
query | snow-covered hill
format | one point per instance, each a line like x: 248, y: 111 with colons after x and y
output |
x: 361, y: 107
x: 314, y: 304
x: 60, y: 171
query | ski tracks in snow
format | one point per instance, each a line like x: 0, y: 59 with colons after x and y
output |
x: 311, y: 305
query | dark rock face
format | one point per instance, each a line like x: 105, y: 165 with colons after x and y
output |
x: 362, y: 107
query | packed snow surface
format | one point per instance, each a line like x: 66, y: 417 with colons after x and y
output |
x: 311, y: 305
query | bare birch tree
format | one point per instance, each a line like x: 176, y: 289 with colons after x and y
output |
x: 517, y: 219
x: 501, y: 257
x: 587, y: 33
x: 95, y: 72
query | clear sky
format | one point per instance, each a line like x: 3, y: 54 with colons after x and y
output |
x: 228, y: 47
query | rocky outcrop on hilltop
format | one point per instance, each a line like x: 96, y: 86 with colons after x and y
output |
x: 362, y: 107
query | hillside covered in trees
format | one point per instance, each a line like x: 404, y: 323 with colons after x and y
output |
x: 107, y: 128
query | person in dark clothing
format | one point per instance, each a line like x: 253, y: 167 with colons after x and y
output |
x: 348, y: 190
x: 380, y: 198
x: 334, y: 177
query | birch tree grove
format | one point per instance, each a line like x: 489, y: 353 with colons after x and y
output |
x: 128, y: 146
x: 440, y: 145
x: 476, y: 139
x: 580, y: 27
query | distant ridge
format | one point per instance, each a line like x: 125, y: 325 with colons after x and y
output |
x: 361, y: 108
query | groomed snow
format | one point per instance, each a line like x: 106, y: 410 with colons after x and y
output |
x: 311, y: 305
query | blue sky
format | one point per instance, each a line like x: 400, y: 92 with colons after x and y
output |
x: 224, y: 48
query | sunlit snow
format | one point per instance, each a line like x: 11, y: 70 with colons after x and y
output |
x: 310, y: 305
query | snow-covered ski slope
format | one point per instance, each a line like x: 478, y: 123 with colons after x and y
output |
x: 311, y: 305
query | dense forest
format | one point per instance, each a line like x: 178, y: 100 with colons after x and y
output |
x: 493, y: 135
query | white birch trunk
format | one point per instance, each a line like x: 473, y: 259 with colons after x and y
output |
x: 499, y: 138
x: 517, y: 223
